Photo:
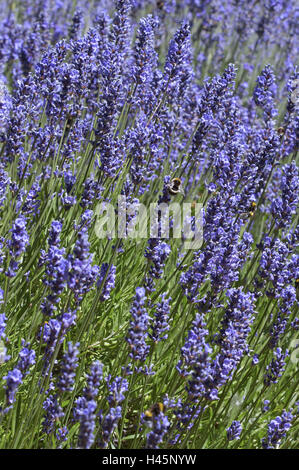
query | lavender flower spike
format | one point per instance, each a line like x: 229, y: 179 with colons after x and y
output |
x: 138, y: 327
x: 234, y: 431
x: 277, y: 430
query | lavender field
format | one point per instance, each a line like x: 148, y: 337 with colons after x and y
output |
x: 117, y: 332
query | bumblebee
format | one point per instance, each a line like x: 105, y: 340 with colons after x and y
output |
x: 281, y: 131
x: 251, y: 210
x: 154, y: 411
x: 160, y: 4
x: 175, y: 186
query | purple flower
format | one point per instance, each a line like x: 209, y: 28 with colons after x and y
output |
x: 178, y: 53
x: 224, y: 254
x: 14, y: 378
x: 54, y: 235
x: 195, y: 352
x: 120, y: 28
x: 17, y: 244
x: 264, y: 92
x: 67, y: 200
x: 116, y: 388
x: 17, y: 124
x: 56, y: 269
x: 85, y: 407
x: 277, y: 430
x: 255, y: 359
x: 91, y: 192
x: 157, y: 252
x: 138, y: 330
x: 186, y: 415
x: 165, y: 196
x: 74, y: 28
x: 217, y: 91
x: 160, y: 427
x: 277, y: 330
x: 53, y: 333
x: 145, y: 55
x: 106, y: 281
x: 53, y: 413
x: 111, y: 156
x: 93, y: 380
x: 232, y: 339
x: 62, y: 434
x: 5, y: 105
x: 86, y: 414
x: 112, y: 62
x: 4, y: 185
x: 288, y: 294
x: 26, y: 358
x: 234, y: 431
x: 276, y: 368
x: 160, y: 323
x: 108, y: 425
x: 82, y: 275
x: 3, y: 356
x: 32, y: 203
x: 2, y: 325
x: 107, y: 108
x: 68, y: 366
x: 284, y: 206
x: 137, y: 139
x: 274, y: 266
x: 266, y: 407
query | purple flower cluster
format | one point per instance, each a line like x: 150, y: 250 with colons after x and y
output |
x: 56, y: 269
x: 236, y: 326
x: 209, y: 375
x: 2, y: 325
x: 160, y: 323
x: 17, y: 244
x: 178, y: 56
x: 116, y: 389
x: 138, y: 330
x: 106, y: 281
x: 26, y: 358
x: 160, y: 427
x: 224, y: 254
x: 53, y: 413
x: 157, y: 253
x: 145, y: 55
x: 5, y: 104
x: 81, y: 275
x: 273, y: 266
x: 234, y: 431
x: 264, y: 92
x: 53, y: 333
x: 15, y: 377
x: 284, y: 206
x: 116, y: 396
x: 86, y: 405
x: 68, y: 365
x: 277, y: 430
x: 276, y: 368
x: 195, y: 352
